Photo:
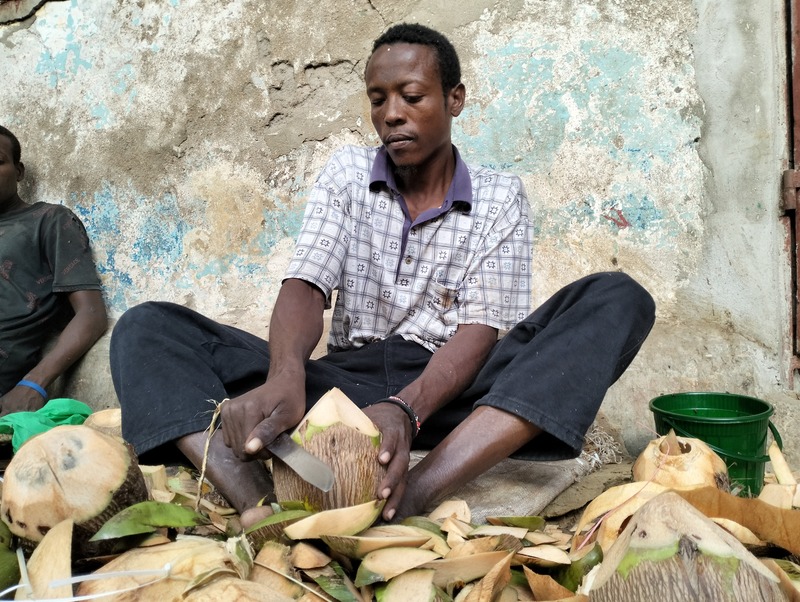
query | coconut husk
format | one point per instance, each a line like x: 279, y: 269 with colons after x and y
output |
x: 670, y: 551
x: 51, y: 561
x: 165, y: 572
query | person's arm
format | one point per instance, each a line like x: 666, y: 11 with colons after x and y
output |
x: 83, y: 330
x: 450, y: 371
x: 254, y: 419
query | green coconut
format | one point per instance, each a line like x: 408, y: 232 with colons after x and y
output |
x: 670, y: 551
x: 337, y: 432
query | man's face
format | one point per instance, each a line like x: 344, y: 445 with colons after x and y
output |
x: 10, y: 174
x: 410, y: 112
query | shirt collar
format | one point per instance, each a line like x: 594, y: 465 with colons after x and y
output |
x: 460, y: 188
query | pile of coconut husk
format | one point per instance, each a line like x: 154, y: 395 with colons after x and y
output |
x: 83, y: 520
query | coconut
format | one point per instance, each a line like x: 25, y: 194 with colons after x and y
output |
x: 108, y: 421
x: 337, y: 432
x: 670, y: 551
x: 680, y: 462
x: 69, y: 472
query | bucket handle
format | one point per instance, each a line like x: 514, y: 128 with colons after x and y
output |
x: 730, y: 454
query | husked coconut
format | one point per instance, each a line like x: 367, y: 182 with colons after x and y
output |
x: 69, y: 472
x: 108, y: 421
x: 680, y: 462
x: 337, y: 432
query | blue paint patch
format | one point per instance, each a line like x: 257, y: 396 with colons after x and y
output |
x: 122, y: 79
x: 521, y: 117
x: 68, y: 62
x: 100, y: 215
x: 101, y: 115
x: 62, y: 65
x: 159, y: 242
x: 635, y: 214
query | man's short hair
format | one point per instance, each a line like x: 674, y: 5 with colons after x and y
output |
x: 16, y: 149
x: 413, y: 33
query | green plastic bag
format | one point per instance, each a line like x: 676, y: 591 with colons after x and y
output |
x: 55, y: 412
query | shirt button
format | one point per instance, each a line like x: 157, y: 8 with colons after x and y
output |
x: 408, y: 259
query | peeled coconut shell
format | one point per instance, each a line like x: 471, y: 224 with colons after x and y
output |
x: 163, y: 572
x: 337, y: 432
x: 70, y: 472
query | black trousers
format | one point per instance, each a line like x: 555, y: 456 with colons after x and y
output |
x: 553, y: 368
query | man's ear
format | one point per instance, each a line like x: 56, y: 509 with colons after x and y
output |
x: 455, y: 99
x: 20, y: 171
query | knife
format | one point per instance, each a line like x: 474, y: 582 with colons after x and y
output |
x: 308, y: 467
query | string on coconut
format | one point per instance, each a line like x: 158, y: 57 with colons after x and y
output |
x: 212, y: 428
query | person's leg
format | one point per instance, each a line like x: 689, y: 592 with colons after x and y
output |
x: 541, y: 387
x: 169, y: 365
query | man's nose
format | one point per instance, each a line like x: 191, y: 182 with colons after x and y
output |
x: 394, y: 110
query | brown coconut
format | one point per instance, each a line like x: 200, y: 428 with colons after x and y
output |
x: 337, y: 432
x: 70, y: 472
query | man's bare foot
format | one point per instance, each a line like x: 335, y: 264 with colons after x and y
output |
x: 243, y: 484
x: 414, y: 501
x: 255, y: 515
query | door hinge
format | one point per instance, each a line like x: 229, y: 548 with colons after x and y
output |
x: 791, y: 184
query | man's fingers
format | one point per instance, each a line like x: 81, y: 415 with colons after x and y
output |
x: 262, y: 435
x: 395, y: 497
x: 253, y: 445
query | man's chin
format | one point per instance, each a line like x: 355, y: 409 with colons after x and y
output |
x: 405, y: 171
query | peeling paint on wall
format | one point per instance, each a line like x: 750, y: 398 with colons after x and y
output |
x: 604, y: 136
x: 187, y: 133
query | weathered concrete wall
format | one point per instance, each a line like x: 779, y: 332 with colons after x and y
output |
x: 650, y: 136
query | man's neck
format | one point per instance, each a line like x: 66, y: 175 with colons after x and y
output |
x: 425, y: 187
x: 11, y: 205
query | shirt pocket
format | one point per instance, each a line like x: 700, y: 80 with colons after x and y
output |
x: 443, y: 300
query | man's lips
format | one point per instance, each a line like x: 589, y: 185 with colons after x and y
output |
x: 397, y: 139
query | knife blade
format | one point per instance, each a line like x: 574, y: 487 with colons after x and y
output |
x: 307, y: 466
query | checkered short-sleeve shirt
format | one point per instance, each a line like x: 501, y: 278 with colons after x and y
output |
x: 469, y: 265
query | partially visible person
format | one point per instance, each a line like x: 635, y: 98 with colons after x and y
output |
x: 48, y: 287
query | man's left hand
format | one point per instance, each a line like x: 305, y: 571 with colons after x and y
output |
x: 20, y: 399
x: 394, y: 453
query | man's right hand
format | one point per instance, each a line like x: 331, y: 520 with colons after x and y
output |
x: 255, y: 419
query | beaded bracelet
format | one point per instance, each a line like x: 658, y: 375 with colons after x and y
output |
x: 32, y: 385
x: 412, y: 415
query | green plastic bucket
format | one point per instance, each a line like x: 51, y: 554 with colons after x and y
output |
x: 734, y: 426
